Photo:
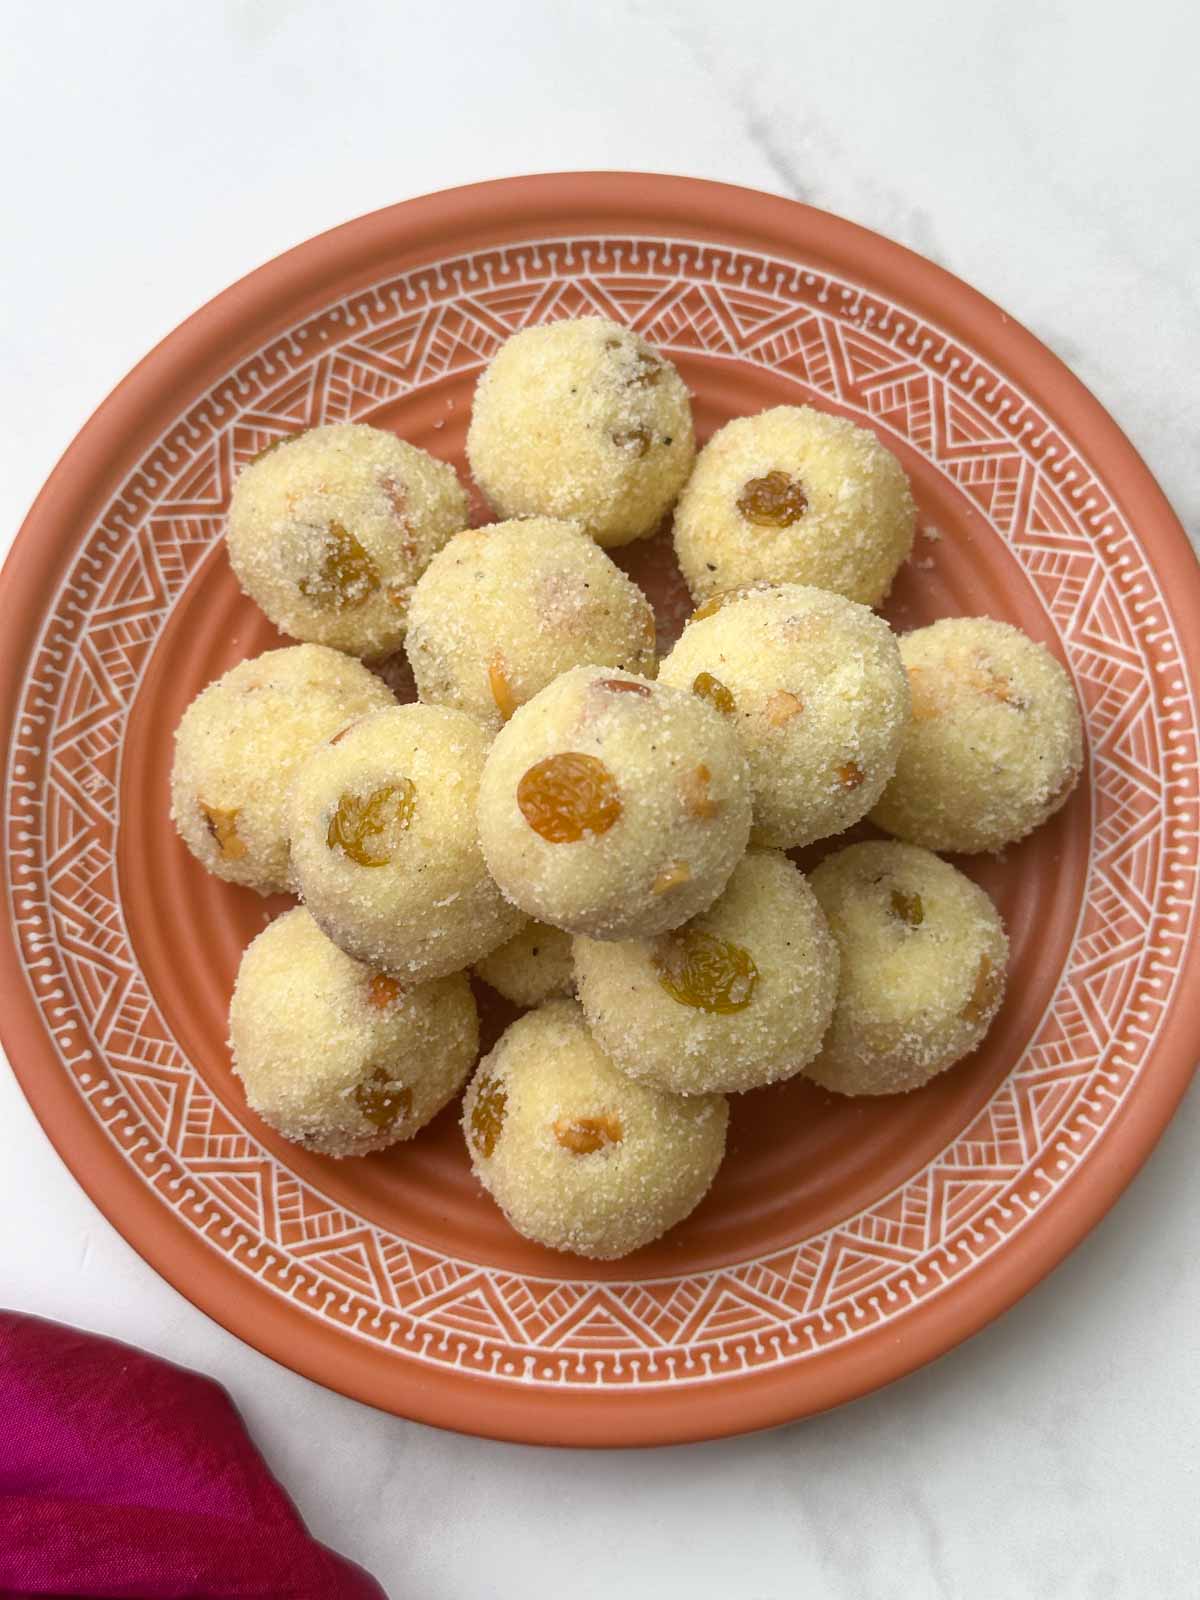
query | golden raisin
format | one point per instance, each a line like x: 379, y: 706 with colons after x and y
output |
x: 568, y: 797
x: 722, y: 598
x: 583, y: 1136
x: 342, y: 732
x: 700, y: 970
x: 671, y: 876
x: 986, y: 992
x: 365, y: 827
x: 346, y: 577
x: 850, y: 775
x: 223, y: 827
x: 635, y: 440
x: 781, y: 707
x: 985, y: 679
x: 931, y: 693
x: 910, y: 908
x: 647, y: 369
x: 715, y: 692
x: 623, y: 686
x: 381, y: 1101
x: 274, y: 445
x: 502, y: 693
x: 487, y: 1114
x: 697, y: 796
x: 397, y: 496
x: 773, y: 501
x: 383, y: 990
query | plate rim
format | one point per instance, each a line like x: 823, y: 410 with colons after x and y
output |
x: 116, y: 435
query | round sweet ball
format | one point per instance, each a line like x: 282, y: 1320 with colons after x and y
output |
x: 614, y: 807
x: 329, y: 531
x: 534, y: 965
x: 336, y: 1057
x: 922, y: 974
x: 502, y: 611
x: 239, y: 744
x: 739, y: 997
x: 795, y: 495
x: 814, y: 688
x: 995, y: 744
x: 578, y: 1156
x: 582, y: 420
x: 384, y: 848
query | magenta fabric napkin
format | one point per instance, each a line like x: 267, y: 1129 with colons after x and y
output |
x: 122, y: 1476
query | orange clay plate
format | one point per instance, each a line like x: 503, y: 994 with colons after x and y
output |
x: 844, y: 1242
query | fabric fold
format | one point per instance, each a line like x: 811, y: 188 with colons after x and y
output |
x: 124, y: 1476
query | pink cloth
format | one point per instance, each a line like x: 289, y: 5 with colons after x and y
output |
x: 123, y: 1476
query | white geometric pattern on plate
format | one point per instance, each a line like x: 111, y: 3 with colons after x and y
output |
x: 865, y: 355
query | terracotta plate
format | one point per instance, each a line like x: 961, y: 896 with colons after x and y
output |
x: 844, y: 1243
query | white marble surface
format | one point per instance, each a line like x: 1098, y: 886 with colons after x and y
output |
x: 1045, y: 152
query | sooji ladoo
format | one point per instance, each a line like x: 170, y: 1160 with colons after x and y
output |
x: 593, y: 833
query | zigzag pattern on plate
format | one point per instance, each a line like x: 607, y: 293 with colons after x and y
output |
x: 840, y: 343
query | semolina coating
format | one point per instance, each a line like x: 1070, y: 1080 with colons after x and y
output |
x: 502, y: 611
x: 614, y: 807
x: 384, y: 847
x: 238, y: 747
x: 995, y: 744
x: 534, y: 965
x: 336, y: 1057
x: 795, y: 495
x: 814, y: 688
x: 582, y: 420
x: 329, y: 531
x: 578, y: 1156
x: 739, y: 997
x: 923, y: 965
